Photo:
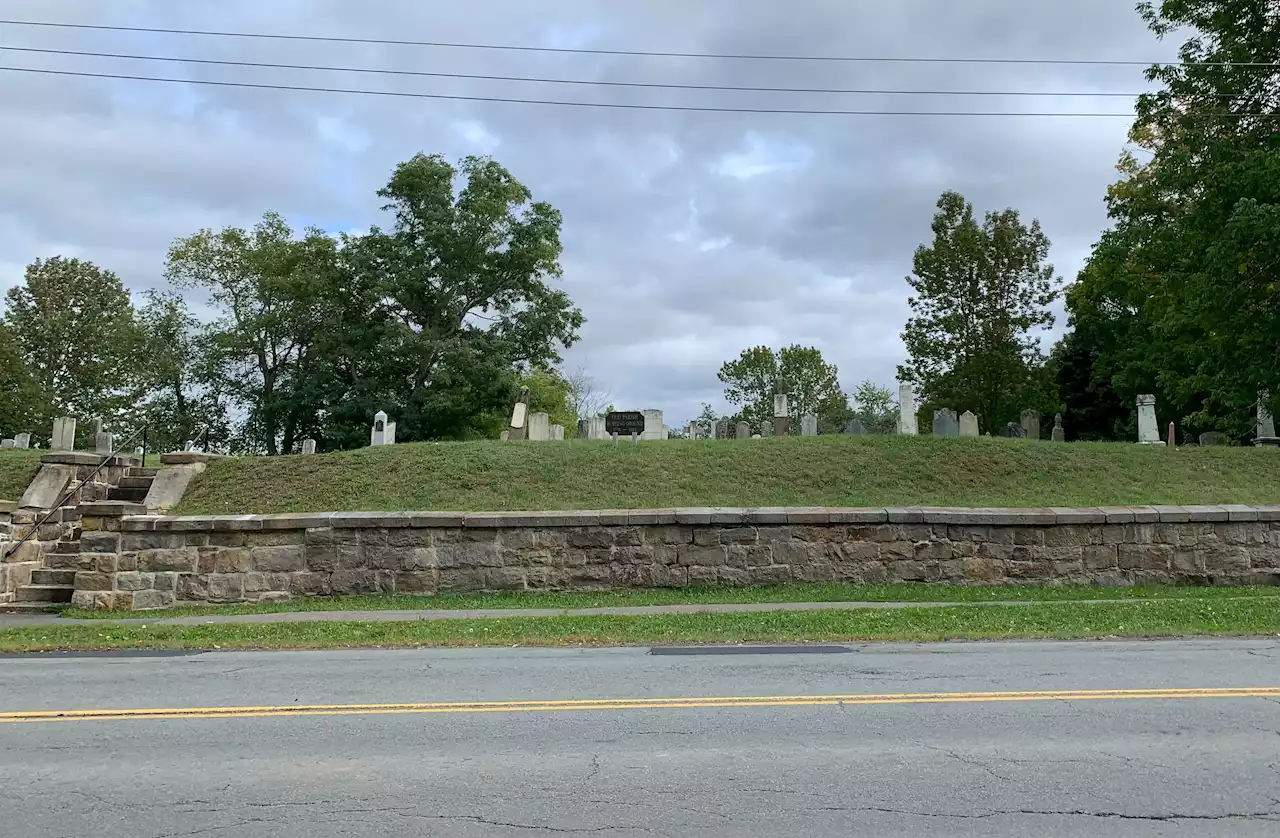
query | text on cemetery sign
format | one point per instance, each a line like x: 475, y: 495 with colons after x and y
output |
x: 624, y: 423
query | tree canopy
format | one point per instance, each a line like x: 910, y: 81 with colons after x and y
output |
x: 814, y: 384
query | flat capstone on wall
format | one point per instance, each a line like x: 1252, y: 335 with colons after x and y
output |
x: 139, y: 562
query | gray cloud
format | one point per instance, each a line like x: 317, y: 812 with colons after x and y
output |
x: 688, y: 236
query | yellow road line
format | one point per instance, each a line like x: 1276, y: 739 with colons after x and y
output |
x: 542, y: 706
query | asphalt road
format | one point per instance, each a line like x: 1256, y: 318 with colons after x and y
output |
x: 741, y: 748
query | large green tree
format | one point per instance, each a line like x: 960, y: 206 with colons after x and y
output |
x: 20, y: 403
x: 1181, y: 296
x: 465, y: 278
x: 982, y: 289
x: 875, y: 407
x: 815, y: 387
x: 73, y: 324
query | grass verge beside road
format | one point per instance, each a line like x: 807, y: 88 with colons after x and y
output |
x: 793, y: 471
x: 1061, y: 620
x: 17, y: 467
x: 818, y: 592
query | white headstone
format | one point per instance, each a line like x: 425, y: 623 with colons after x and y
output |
x: 518, y: 414
x: 391, y: 433
x: 64, y: 434
x: 539, y: 427
x: 378, y: 435
x: 595, y: 428
x: 7, y: 443
x: 907, y: 409
x: 653, y: 425
x: 22, y: 441
x: 968, y: 424
x: 308, y: 446
x: 104, y: 443
x: 809, y: 425
x: 504, y: 436
x: 1148, y: 429
x: 557, y: 433
x: 780, y: 404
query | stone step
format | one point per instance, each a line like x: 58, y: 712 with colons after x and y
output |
x: 57, y: 577
x: 143, y: 472
x: 66, y: 548
x: 26, y: 607
x: 44, y: 593
x: 62, y: 561
x: 131, y: 495
x: 136, y: 482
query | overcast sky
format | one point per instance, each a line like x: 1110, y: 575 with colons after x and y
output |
x: 688, y: 236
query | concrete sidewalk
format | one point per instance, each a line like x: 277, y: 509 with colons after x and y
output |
x: 27, y: 620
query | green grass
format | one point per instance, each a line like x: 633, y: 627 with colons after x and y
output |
x: 818, y: 592
x: 819, y: 471
x: 17, y: 467
x: 1151, y: 618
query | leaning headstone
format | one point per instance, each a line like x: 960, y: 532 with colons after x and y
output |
x: 809, y: 425
x: 378, y: 434
x: 742, y: 431
x: 1031, y: 424
x: 1214, y: 438
x: 1266, y: 424
x: 1148, y: 431
x: 1058, y: 434
x: 968, y: 424
x: 907, y: 409
x: 64, y: 434
x: 945, y: 423
x: 539, y: 427
x: 22, y: 440
x: 519, y: 416
x: 104, y: 443
x: 308, y: 446
x: 557, y: 433
x: 766, y: 429
x: 854, y: 427
x: 7, y: 443
x: 781, y: 409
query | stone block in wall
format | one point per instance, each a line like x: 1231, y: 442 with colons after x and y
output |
x: 1226, y: 559
x: 749, y: 555
x: 226, y: 587
x: 347, y: 582
x: 164, y: 582
x: 94, y: 600
x: 386, y: 557
x: 469, y: 555
x: 88, y: 580
x: 135, y: 541
x: 1144, y: 556
x: 178, y: 560
x: 100, y: 542
x: 134, y: 581
x: 193, y: 587
x: 505, y: 578
x: 310, y: 584
x: 143, y: 600
x: 417, y: 582
x: 699, y: 575
x: 288, y: 558
x: 225, y: 559
x: 461, y: 578
x: 709, y: 556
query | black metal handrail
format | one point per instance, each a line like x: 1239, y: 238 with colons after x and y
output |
x: 76, y: 486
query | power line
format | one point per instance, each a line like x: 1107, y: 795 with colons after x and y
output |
x: 590, y: 82
x: 512, y: 100
x: 637, y: 53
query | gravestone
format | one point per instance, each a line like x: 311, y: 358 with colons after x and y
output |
x: 95, y: 427
x: 1012, y: 430
x: 22, y: 440
x: 781, y: 409
x: 308, y: 446
x: 1031, y: 424
x: 1148, y: 431
x: 557, y: 433
x: 766, y: 429
x: 64, y: 434
x: 724, y: 429
x: 809, y: 425
x: 103, y: 443
x: 6, y: 443
x: 381, y: 434
x: 945, y: 423
x: 519, y: 416
x: 539, y: 427
x: 505, y: 435
x: 968, y: 424
x: 907, y: 409
x: 1266, y: 424
x: 742, y: 431
x: 1214, y: 438
x: 854, y: 427
x: 653, y: 425
x: 1058, y: 434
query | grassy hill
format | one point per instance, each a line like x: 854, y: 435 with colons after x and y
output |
x: 16, y: 470
x: 819, y: 471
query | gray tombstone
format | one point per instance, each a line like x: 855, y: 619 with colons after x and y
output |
x: 557, y: 433
x: 907, y: 409
x: 742, y: 431
x: 968, y: 424
x: 1059, y: 434
x: 22, y: 440
x: 1012, y: 430
x: 1266, y: 423
x: 724, y: 429
x: 809, y: 425
x: 308, y: 446
x: 766, y: 429
x: 96, y: 427
x: 505, y: 435
x: 781, y: 408
x: 104, y: 443
x: 854, y: 427
x: 1214, y: 438
x: 539, y: 427
x: 1148, y: 430
x: 64, y: 434
x: 6, y: 443
x: 945, y: 423
x: 1031, y: 424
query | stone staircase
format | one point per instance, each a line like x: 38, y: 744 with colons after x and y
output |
x: 54, y: 583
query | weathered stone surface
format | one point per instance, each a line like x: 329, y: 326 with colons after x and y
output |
x: 226, y: 587
x: 133, y: 581
x: 143, y: 600
x: 180, y: 560
x: 282, y: 559
x: 100, y: 542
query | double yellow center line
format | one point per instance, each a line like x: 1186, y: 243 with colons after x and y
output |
x: 547, y: 706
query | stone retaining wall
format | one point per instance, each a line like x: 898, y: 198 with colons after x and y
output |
x: 138, y: 562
